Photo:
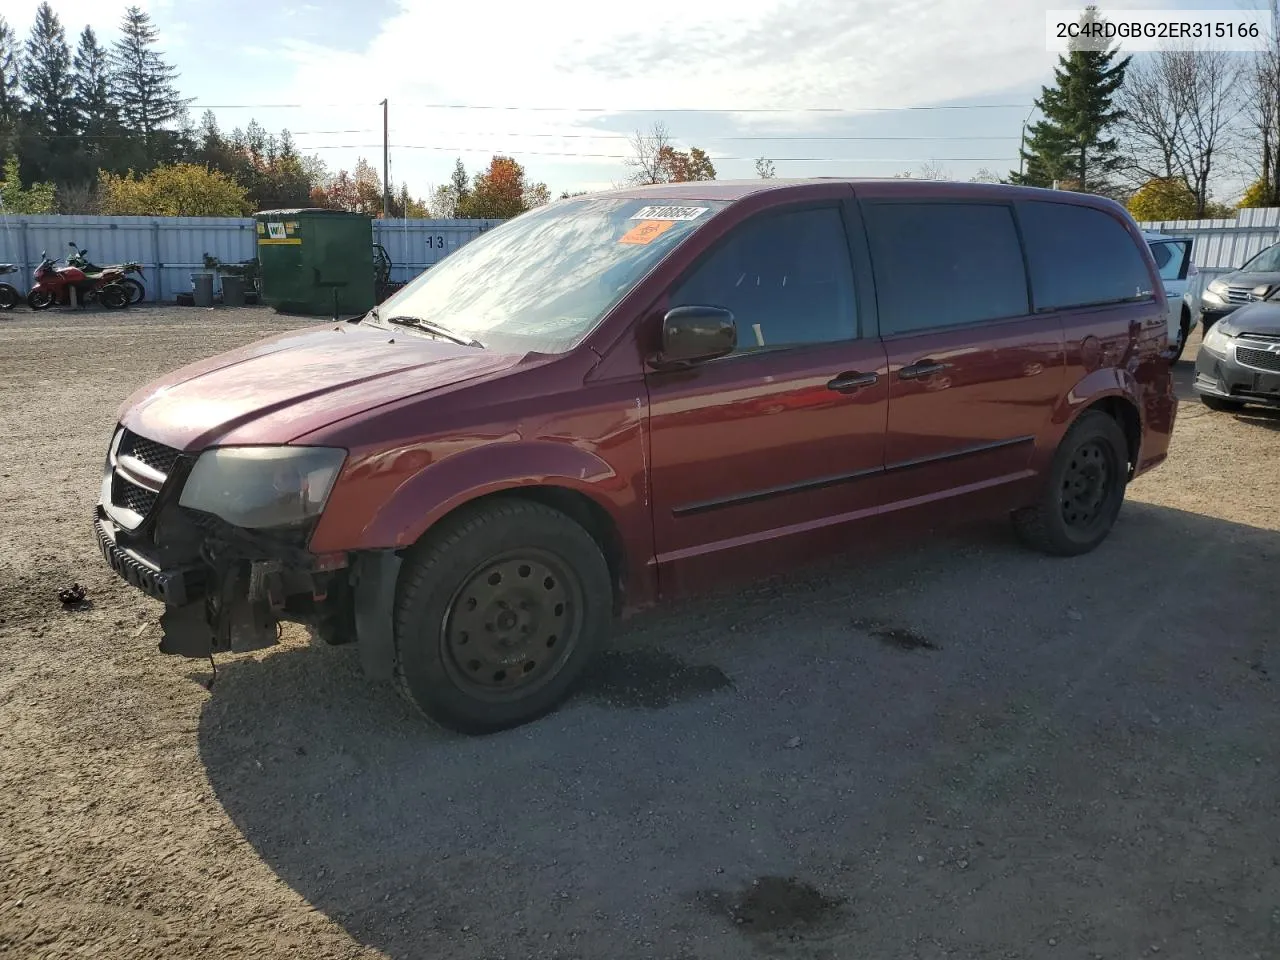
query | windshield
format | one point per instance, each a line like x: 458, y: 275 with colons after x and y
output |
x: 542, y: 281
x: 1268, y: 261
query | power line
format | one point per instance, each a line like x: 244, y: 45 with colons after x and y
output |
x: 626, y: 156
x: 485, y: 106
x: 623, y: 136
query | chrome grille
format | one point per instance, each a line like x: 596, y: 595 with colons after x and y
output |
x: 1258, y: 359
x: 139, y: 469
x: 1264, y: 337
x: 154, y: 455
x: 1239, y: 293
x: 127, y: 494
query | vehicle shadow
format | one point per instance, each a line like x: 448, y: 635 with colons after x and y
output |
x: 950, y: 738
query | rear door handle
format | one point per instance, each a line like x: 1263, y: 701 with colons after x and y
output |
x: 921, y: 369
x: 849, y: 382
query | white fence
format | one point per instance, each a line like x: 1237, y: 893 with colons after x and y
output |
x: 170, y: 249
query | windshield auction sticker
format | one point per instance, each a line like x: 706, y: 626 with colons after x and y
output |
x: 669, y: 213
x: 647, y: 231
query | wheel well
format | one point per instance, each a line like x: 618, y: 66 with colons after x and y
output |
x: 1123, y: 412
x: 583, y: 511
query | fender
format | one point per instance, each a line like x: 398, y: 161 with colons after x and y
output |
x: 441, y: 487
x: 1088, y: 390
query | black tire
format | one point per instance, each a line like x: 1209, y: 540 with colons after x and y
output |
x: 137, y: 292
x: 1184, y: 331
x: 9, y: 296
x: 40, y: 299
x: 1085, y: 489
x: 114, y: 296
x: 1221, y: 404
x: 497, y: 613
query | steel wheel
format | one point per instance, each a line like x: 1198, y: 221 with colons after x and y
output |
x: 512, y: 625
x: 1086, y: 484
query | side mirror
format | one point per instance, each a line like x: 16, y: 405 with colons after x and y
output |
x: 694, y: 333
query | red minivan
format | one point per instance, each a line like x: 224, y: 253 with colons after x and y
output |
x: 620, y: 398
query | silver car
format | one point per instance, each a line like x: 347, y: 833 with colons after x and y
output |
x: 1239, y: 360
x: 1232, y: 290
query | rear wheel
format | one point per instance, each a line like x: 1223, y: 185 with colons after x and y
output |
x: 9, y: 296
x: 114, y: 296
x: 498, y: 613
x: 1221, y: 404
x: 137, y: 292
x: 40, y: 299
x: 1085, y: 491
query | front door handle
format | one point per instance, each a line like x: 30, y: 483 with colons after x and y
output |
x: 849, y: 382
x: 921, y: 369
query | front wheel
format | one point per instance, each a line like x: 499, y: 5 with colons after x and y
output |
x: 114, y: 296
x: 497, y: 614
x: 1086, y: 487
x: 40, y: 299
x: 137, y: 292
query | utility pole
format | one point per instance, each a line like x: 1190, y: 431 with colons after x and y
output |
x: 386, y: 164
x: 1022, y: 146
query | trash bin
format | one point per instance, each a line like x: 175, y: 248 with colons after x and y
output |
x: 316, y: 262
x: 233, y: 291
x: 202, y: 289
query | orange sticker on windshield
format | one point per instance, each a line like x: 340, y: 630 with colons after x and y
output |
x: 646, y: 231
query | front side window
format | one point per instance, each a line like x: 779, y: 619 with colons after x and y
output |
x: 1080, y: 257
x: 945, y: 264
x: 787, y: 279
x: 543, y: 281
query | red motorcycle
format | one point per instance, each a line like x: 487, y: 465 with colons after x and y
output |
x: 55, y: 285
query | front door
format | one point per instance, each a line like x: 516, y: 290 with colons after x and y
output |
x: 768, y: 453
x: 973, y: 374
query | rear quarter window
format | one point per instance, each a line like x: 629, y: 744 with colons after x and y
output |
x: 1079, y: 256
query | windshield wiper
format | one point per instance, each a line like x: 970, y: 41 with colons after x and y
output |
x: 435, y: 329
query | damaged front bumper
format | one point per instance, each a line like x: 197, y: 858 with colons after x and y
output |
x: 225, y: 588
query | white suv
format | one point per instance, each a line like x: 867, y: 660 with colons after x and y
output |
x: 1181, y: 284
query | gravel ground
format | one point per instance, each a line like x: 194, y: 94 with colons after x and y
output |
x: 953, y: 750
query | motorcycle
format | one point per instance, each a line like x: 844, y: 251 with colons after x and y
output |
x: 54, y: 285
x: 137, y: 292
x: 9, y: 295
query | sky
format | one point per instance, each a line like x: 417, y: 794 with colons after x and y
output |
x: 820, y: 87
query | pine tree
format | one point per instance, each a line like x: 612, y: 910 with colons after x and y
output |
x: 10, y: 95
x: 1070, y: 144
x: 46, y: 76
x: 142, y: 82
x: 459, y: 185
x: 10, y: 98
x: 92, y: 84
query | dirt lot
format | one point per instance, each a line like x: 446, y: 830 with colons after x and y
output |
x: 957, y: 750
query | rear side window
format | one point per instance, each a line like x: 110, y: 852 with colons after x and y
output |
x: 944, y: 264
x: 1080, y: 257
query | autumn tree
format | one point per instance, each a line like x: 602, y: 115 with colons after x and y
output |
x: 1163, y: 198
x: 654, y: 160
x: 15, y: 198
x: 173, y: 190
x: 501, y: 191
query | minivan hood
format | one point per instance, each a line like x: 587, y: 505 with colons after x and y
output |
x: 281, y: 388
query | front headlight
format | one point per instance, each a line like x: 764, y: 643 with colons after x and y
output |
x: 1218, y: 287
x: 1217, y: 340
x: 256, y: 487
x: 1215, y: 297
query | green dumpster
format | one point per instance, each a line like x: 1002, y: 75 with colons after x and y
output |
x: 315, y: 261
